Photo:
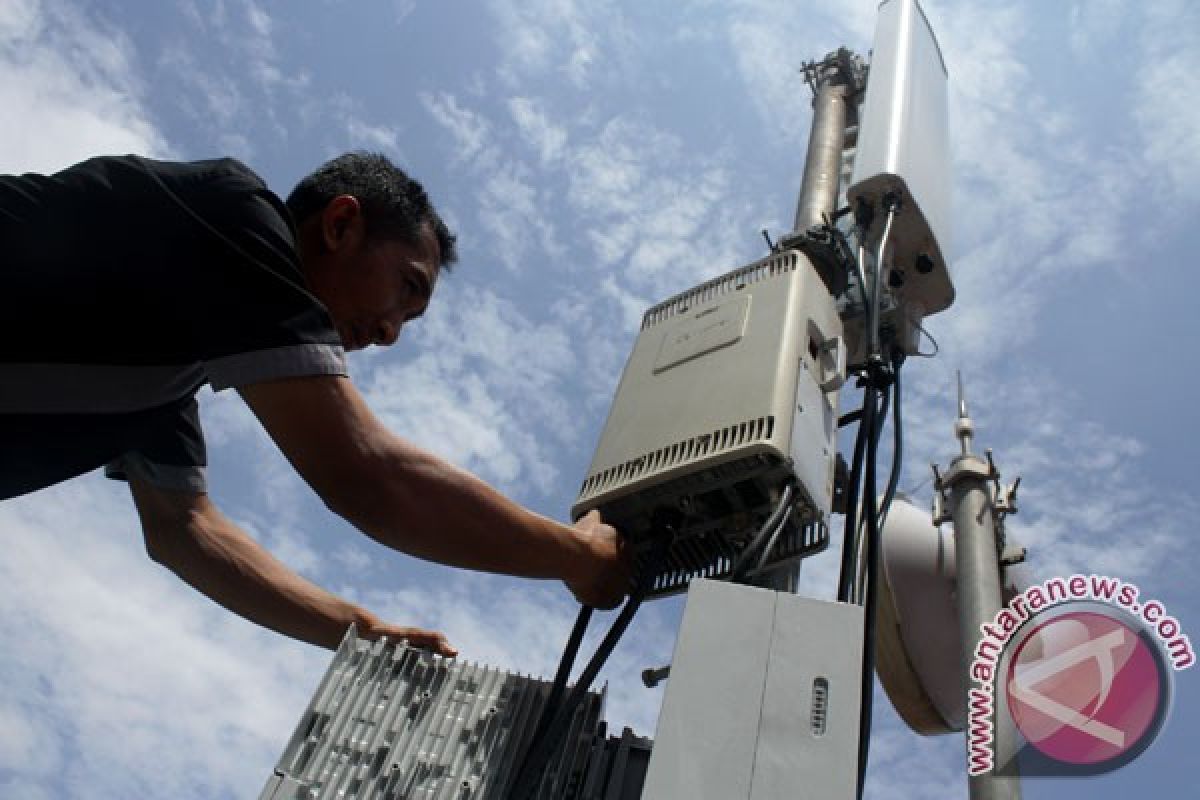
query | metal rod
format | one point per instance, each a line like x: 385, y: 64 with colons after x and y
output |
x: 979, y: 592
x: 818, y: 196
x: 823, y: 163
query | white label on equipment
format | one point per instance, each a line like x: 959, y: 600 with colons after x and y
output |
x: 703, y: 332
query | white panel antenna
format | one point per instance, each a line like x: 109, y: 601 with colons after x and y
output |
x: 903, y: 155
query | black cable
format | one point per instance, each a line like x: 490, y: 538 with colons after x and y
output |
x: 564, y: 672
x: 881, y: 411
x: 932, y: 341
x: 897, y: 442
x: 885, y: 403
x: 850, y: 527
x: 770, y: 545
x: 777, y: 517
x: 849, y: 417
x: 871, y: 513
x: 541, y: 748
x: 875, y: 378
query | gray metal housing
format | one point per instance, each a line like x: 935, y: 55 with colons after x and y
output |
x: 763, y: 699
x: 389, y: 721
x: 904, y: 148
x: 731, y: 390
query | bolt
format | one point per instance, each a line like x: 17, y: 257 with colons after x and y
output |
x: 652, y: 677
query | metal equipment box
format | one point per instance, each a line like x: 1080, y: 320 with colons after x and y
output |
x: 389, y: 721
x: 763, y: 699
x: 730, y: 391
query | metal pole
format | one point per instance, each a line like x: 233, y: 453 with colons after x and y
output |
x: 972, y: 506
x: 819, y: 194
x: 822, y: 165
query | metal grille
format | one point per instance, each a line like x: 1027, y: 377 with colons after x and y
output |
x: 712, y: 557
x: 722, y: 506
x: 666, y: 458
x: 731, y: 282
x: 389, y: 722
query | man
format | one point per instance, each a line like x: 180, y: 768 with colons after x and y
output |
x: 127, y: 284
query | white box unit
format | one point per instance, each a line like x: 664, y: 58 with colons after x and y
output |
x: 903, y: 149
x: 763, y: 701
x: 730, y: 391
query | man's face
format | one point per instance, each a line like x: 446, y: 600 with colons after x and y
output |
x: 372, y: 288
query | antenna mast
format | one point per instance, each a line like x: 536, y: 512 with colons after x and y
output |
x: 971, y: 496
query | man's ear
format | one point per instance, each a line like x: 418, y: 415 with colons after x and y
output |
x: 342, y: 223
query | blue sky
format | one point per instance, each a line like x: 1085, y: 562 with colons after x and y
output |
x: 596, y: 157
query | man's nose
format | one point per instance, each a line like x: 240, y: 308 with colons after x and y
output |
x: 386, y: 333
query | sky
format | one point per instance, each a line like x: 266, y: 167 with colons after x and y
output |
x: 596, y: 157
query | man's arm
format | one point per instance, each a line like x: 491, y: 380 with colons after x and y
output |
x: 414, y: 501
x: 187, y: 534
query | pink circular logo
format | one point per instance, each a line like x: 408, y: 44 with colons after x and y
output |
x: 1085, y: 688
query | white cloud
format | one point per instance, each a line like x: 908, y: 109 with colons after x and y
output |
x: 905, y: 766
x: 511, y: 211
x: 353, y: 559
x: 404, y: 9
x: 70, y: 90
x: 469, y: 130
x: 1168, y: 83
x: 1093, y: 24
x: 662, y: 213
x: 145, y: 683
x: 232, y: 84
x: 559, y: 37
x: 487, y: 390
x: 260, y: 21
x: 364, y: 135
x: 546, y: 137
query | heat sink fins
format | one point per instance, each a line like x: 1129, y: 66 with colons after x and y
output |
x: 390, y: 722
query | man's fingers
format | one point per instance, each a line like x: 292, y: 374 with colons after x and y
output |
x: 432, y: 641
x: 604, y: 577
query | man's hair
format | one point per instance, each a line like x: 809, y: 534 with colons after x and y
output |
x: 394, y: 205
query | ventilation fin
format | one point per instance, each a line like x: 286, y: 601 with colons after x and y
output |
x: 738, y: 279
x: 684, y: 452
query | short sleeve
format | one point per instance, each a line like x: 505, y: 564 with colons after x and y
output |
x: 254, y: 316
x: 170, y: 452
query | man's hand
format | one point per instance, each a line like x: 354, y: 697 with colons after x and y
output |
x: 603, y: 577
x: 371, y: 627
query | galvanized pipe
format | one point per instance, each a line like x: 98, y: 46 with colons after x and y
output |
x: 979, y: 597
x: 823, y: 163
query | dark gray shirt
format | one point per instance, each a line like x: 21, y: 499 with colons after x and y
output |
x: 126, y: 284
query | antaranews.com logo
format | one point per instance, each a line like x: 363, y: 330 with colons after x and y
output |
x: 1085, y: 671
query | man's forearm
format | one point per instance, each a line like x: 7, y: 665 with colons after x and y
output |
x: 187, y: 534
x: 416, y: 502
x: 221, y: 561
x: 431, y: 509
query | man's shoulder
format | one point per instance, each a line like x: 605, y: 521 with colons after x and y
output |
x: 215, y: 175
x: 211, y: 169
x: 140, y: 176
x: 223, y: 194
